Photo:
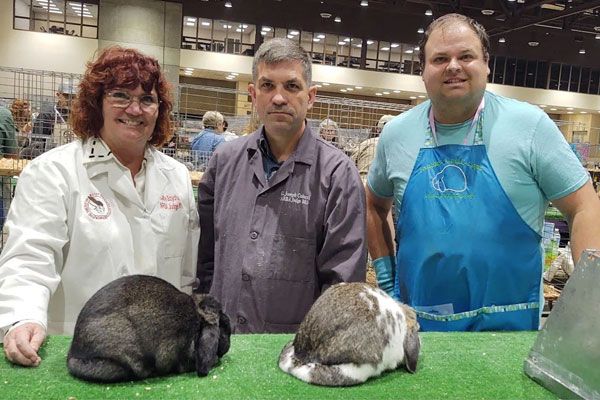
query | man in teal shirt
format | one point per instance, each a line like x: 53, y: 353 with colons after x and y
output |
x: 471, y: 174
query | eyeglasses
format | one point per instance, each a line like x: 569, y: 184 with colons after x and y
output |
x: 122, y: 99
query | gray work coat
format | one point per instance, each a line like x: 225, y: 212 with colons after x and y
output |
x: 268, y: 249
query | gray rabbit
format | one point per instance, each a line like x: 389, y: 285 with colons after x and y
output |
x: 141, y: 326
x: 351, y: 333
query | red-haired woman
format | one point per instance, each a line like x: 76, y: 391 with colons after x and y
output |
x: 106, y: 205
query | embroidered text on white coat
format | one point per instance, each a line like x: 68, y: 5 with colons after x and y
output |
x: 170, y: 202
x: 296, y: 198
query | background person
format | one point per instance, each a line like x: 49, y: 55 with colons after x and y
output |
x: 470, y: 187
x: 328, y: 130
x: 282, y: 212
x: 227, y: 134
x: 52, y: 123
x: 106, y: 205
x: 204, y: 144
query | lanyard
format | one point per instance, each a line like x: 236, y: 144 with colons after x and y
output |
x: 471, y: 129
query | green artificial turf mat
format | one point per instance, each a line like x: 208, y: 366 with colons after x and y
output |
x: 452, y: 365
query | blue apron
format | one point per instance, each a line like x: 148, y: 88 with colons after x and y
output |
x: 466, y: 259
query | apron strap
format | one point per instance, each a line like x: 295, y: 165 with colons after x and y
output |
x: 473, y: 313
x: 475, y: 135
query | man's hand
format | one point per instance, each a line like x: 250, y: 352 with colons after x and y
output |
x: 22, y: 343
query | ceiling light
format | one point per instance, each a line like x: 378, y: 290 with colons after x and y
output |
x: 582, y: 51
x: 234, y: 73
x: 266, y: 28
x: 349, y: 89
x: 364, y: 3
x: 521, y: 1
x: 228, y: 4
x: 191, y: 19
x: 394, y: 45
x: 542, y: 106
x: 294, y: 32
x: 413, y: 97
x: 239, y: 30
x: 325, y: 15
x: 582, y: 112
x: 343, y: 90
x: 428, y: 12
x: 229, y: 77
x: 317, y: 85
x: 357, y: 87
x: 598, y: 36
x: 205, y: 23
x: 338, y: 19
x: 502, y: 40
x: 378, y: 94
x: 417, y: 48
x: 487, y: 11
x: 397, y: 91
x: 569, y: 112
x: 385, y: 92
x: 569, y: 108
x: 533, y: 43
x: 325, y: 84
x: 421, y: 97
x: 347, y: 39
x: 316, y: 40
x: 511, y: 1
x: 384, y: 48
x: 263, y: 33
x: 321, y: 36
x: 187, y: 23
x: 409, y: 51
x: 553, y: 109
x: 342, y: 43
x: 290, y: 36
x: 243, y: 26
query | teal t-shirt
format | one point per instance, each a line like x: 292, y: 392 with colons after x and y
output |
x: 530, y: 156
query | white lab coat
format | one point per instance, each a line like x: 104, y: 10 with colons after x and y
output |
x: 77, y: 222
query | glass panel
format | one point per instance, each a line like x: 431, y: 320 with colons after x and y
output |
x: 22, y: 23
x: 318, y: 42
x: 594, y: 82
x: 189, y: 33
x: 511, y: 67
x: 530, y: 74
x: 372, y: 53
x: 267, y: 31
x: 541, y: 78
x: 520, y: 73
x: 565, y: 72
x: 306, y: 41
x: 396, y: 56
x: 585, y: 80
x: 281, y: 32
x: 355, y: 49
x: 554, y: 76
x: 205, y: 32
x: 574, y: 81
x: 383, y: 58
x: 248, y: 38
x: 499, y: 66
x: 89, y: 32
x: 343, y: 51
x: 22, y: 8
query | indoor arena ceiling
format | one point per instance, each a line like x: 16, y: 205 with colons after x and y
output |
x: 560, y: 28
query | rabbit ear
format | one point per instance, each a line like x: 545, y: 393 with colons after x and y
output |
x: 412, y: 346
x: 224, y: 334
x: 207, y: 340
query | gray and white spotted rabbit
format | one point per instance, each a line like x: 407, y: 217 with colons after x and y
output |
x: 141, y: 326
x: 351, y: 333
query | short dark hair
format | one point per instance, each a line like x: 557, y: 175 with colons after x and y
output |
x: 120, y: 67
x: 450, y: 19
x: 278, y: 50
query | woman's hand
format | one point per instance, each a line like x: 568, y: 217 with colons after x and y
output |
x: 22, y: 343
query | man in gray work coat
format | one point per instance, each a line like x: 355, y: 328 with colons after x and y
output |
x: 282, y: 212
